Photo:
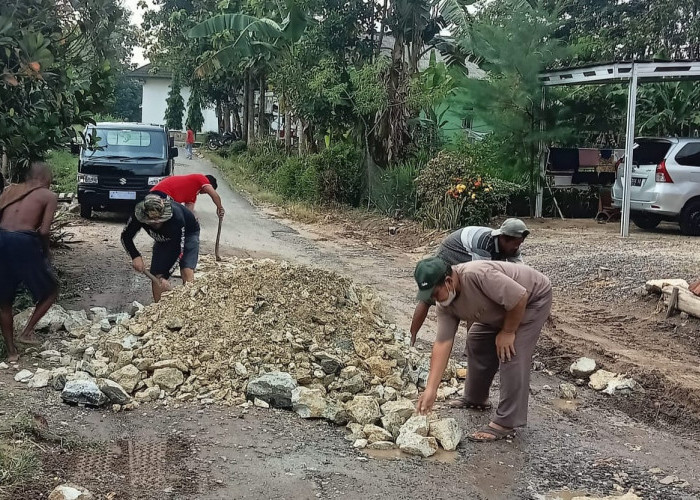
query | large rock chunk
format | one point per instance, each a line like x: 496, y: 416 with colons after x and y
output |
x: 127, y: 376
x: 308, y: 403
x: 354, y: 384
x: 600, y: 379
x: 70, y: 492
x: 115, y: 392
x: 379, y: 367
x: 447, y: 433
x: 335, y: 412
x: 168, y: 379
x: 23, y: 376
x: 583, y: 367
x: 395, y: 415
x: 363, y: 410
x: 52, y: 321
x: 417, y: 424
x: 83, y: 392
x: 375, y: 433
x: 414, y: 444
x: 618, y: 386
x: 329, y: 363
x: 41, y: 378
x: 274, y: 388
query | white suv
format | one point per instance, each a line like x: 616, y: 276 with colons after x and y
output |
x: 665, y: 183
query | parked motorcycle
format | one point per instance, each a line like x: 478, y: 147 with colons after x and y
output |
x: 216, y: 141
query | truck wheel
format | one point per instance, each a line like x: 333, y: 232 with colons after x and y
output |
x: 85, y: 211
x: 645, y: 221
x: 690, y: 218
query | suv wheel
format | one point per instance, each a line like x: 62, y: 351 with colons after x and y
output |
x: 645, y: 221
x: 85, y: 211
x: 690, y: 218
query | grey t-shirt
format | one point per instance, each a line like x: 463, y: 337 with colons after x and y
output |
x: 472, y: 243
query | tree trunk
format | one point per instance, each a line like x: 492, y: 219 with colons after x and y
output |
x: 287, y: 131
x: 381, y: 28
x: 246, y: 108
x: 251, y: 108
x: 262, y: 126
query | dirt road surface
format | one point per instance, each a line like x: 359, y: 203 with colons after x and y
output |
x: 596, y: 445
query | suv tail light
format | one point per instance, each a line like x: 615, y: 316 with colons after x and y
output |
x: 662, y: 173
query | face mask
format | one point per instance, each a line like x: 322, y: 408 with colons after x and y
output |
x: 451, y: 294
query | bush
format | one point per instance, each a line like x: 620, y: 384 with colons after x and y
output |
x: 394, y: 189
x: 452, y: 192
x: 64, y: 166
x: 233, y: 149
x: 340, y: 174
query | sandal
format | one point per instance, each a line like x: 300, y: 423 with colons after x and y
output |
x: 497, y: 434
x: 463, y: 404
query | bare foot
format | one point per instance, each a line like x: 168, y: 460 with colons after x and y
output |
x: 28, y: 338
x: 13, y: 358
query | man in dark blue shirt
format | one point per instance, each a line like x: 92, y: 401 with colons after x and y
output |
x: 176, y: 233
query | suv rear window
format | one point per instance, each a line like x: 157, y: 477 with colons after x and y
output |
x: 689, y: 155
x: 650, y: 152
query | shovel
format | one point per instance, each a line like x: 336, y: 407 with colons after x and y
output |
x: 218, y: 237
x: 155, y: 280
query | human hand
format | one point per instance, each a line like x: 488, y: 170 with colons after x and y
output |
x: 426, y: 401
x: 164, y: 284
x: 220, y: 212
x: 138, y: 264
x: 505, y: 345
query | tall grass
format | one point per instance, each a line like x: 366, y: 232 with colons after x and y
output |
x: 65, y: 170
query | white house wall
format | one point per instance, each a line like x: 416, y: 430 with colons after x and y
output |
x: 154, y: 104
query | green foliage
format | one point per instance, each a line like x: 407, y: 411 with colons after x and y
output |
x: 341, y: 174
x: 394, y: 188
x: 128, y: 94
x: 175, y: 105
x: 64, y: 166
x: 453, y: 191
x: 195, y: 118
x: 57, y: 69
x: 669, y: 109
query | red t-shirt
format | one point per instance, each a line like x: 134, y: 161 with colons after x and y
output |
x: 190, y: 137
x: 182, y: 188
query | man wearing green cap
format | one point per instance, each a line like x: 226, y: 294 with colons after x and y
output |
x: 475, y: 243
x: 176, y: 233
x: 507, y: 305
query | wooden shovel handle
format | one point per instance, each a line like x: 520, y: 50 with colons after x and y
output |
x: 218, y: 237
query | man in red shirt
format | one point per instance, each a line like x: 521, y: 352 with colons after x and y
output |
x: 189, y: 142
x: 185, y: 188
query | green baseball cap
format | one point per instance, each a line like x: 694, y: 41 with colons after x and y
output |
x: 429, y: 272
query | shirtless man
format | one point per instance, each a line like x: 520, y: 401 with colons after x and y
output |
x: 26, y: 213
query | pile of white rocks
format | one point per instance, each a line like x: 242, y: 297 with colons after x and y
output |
x: 586, y: 370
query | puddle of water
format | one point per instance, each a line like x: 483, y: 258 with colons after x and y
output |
x: 565, y: 405
x: 565, y: 494
x: 442, y: 456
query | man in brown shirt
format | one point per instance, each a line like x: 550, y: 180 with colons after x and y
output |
x: 26, y: 213
x: 508, y: 305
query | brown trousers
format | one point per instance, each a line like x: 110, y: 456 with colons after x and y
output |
x: 483, y: 363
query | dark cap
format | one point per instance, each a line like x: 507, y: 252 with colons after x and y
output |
x: 429, y: 272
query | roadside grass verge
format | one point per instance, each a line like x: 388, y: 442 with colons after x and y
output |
x: 238, y: 176
x: 65, y: 169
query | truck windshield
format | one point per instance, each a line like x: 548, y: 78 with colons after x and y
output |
x: 126, y: 144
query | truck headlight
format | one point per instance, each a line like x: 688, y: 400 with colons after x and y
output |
x: 152, y: 181
x: 87, y: 179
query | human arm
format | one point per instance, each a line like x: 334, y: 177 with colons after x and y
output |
x: 209, y: 189
x: 505, y: 339
x: 438, y: 361
x: 47, y: 220
x: 127, y: 238
x: 419, y: 316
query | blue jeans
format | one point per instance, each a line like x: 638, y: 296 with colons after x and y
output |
x: 188, y: 151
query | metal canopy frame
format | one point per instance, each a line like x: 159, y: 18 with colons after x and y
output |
x: 632, y: 72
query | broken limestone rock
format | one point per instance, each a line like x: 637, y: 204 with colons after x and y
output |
x: 308, y: 403
x: 355, y: 432
x: 657, y: 286
x: 447, y: 433
x: 83, y: 392
x: 417, y: 424
x: 381, y: 445
x: 395, y: 414
x: 127, y: 376
x: 148, y: 394
x: 568, y: 391
x: 23, y: 376
x: 379, y: 367
x: 582, y: 367
x: 168, y: 379
x: 240, y: 369
x: 70, y: 492
x: 363, y: 410
x: 113, y: 391
x: 51, y: 353
x: 600, y: 379
x: 375, y: 433
x: 630, y: 495
x: 354, y: 385
x: 618, y: 386
x: 135, y: 308
x: 274, y: 388
x: 335, y: 412
x: 329, y: 363
x: 41, y: 378
x: 415, y: 444
x: 359, y: 444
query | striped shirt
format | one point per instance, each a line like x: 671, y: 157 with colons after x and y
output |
x: 472, y: 243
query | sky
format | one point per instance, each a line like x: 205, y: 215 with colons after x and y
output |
x: 136, y: 18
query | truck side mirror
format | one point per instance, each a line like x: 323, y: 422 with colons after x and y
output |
x: 173, y: 153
